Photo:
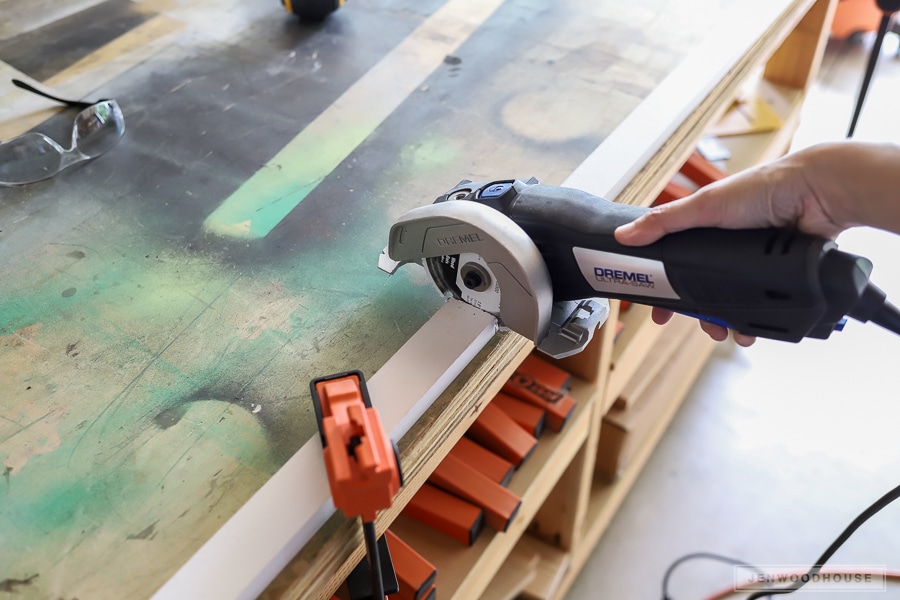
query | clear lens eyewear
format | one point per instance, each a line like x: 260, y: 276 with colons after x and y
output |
x: 34, y: 156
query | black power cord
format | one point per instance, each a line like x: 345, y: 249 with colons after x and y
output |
x: 696, y: 555
x: 888, y: 317
x: 873, y: 306
x: 845, y: 535
x: 864, y: 516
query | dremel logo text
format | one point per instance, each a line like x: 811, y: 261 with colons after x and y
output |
x: 619, y: 277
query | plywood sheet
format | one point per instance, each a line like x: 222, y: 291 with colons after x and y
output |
x: 154, y: 373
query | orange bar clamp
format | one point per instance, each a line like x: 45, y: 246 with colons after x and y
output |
x: 361, y: 460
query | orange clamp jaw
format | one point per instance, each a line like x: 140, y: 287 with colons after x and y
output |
x: 359, y: 456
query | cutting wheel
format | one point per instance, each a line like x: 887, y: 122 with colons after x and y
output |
x: 466, y: 277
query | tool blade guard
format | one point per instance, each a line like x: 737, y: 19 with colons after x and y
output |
x: 479, y: 255
x: 539, y: 257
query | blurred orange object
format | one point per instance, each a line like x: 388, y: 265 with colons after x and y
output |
x: 855, y: 17
x: 672, y: 191
x: 701, y: 171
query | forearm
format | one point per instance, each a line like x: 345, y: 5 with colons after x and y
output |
x: 857, y: 182
x: 820, y: 190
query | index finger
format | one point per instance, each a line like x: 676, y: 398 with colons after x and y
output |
x: 677, y: 215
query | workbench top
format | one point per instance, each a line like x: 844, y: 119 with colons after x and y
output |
x: 163, y: 308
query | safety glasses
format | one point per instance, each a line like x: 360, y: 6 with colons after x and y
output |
x: 34, y: 156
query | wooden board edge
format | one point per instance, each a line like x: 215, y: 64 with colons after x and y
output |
x: 645, y: 131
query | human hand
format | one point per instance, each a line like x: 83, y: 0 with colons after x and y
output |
x: 786, y: 193
x: 779, y: 194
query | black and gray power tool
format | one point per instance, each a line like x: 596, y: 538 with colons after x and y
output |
x: 543, y: 260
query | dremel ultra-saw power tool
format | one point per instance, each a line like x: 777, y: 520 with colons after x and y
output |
x: 543, y: 259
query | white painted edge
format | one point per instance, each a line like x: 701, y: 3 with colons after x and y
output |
x: 625, y: 151
x: 254, y: 545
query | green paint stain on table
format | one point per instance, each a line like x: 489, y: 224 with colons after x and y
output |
x: 261, y: 203
x: 167, y: 389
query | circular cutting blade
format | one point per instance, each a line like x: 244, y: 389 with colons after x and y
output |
x: 443, y: 271
x: 466, y: 277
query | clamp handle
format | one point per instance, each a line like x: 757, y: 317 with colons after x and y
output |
x: 360, y: 459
